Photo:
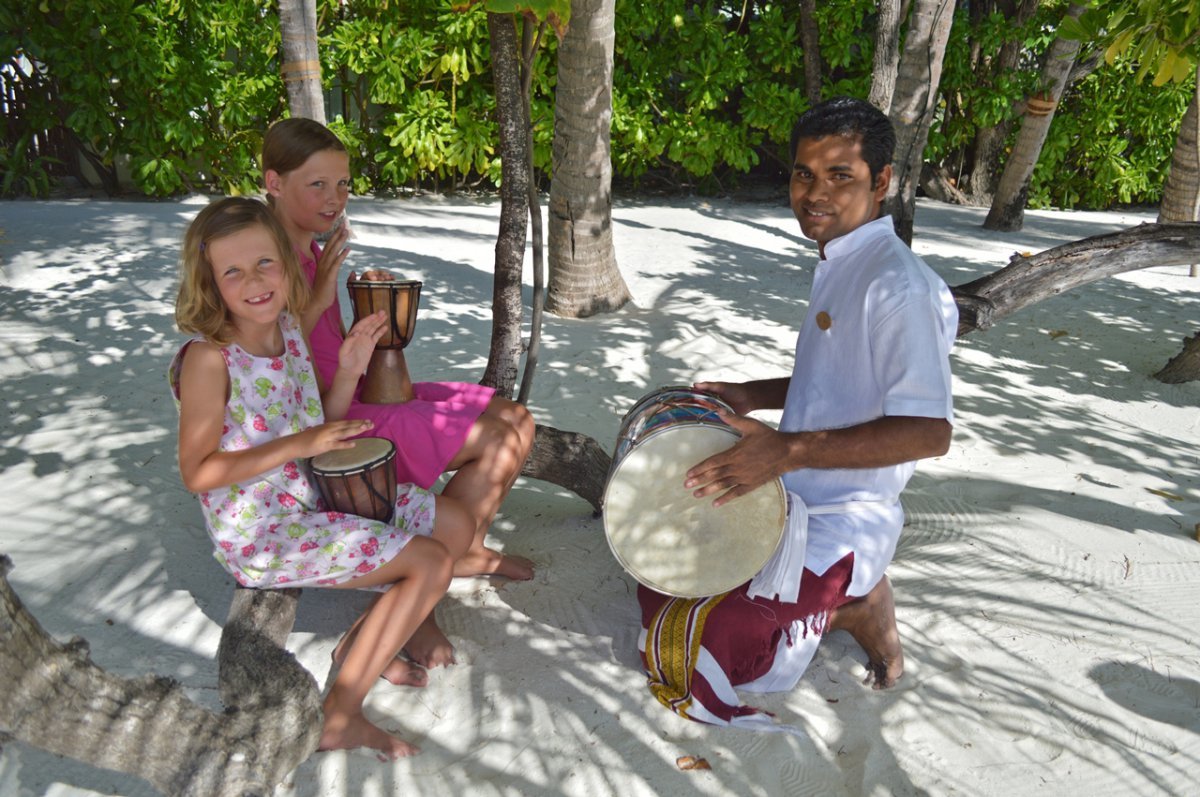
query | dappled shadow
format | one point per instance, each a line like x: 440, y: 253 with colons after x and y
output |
x: 107, y: 544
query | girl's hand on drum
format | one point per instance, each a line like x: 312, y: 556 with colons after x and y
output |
x: 332, y: 435
x: 761, y: 455
x: 330, y: 262
x: 355, y: 351
x: 374, y: 275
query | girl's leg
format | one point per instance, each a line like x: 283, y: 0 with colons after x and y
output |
x: 488, y: 464
x: 454, y: 528
x: 419, y: 576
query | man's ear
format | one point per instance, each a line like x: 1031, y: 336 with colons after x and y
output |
x: 882, y: 181
x: 273, y: 182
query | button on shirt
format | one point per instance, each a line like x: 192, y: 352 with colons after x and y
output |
x: 876, y: 341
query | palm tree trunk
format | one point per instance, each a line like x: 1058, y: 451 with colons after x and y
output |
x: 1181, y: 194
x: 1008, y: 207
x: 301, y: 63
x: 810, y: 44
x: 886, y: 60
x: 913, y: 103
x: 505, y: 350
x: 584, y: 278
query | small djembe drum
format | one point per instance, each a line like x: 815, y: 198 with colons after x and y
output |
x: 359, y: 480
x: 387, y: 380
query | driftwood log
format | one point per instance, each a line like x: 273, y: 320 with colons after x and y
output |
x: 57, y: 699
x: 1028, y: 279
x: 571, y: 460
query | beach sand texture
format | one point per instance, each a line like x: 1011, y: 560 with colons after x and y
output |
x: 1047, y: 584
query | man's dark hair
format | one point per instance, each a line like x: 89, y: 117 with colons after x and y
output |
x: 850, y: 118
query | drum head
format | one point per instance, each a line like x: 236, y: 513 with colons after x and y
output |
x: 367, y: 451
x: 677, y: 544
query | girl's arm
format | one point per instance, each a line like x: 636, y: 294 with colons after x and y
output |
x: 203, y: 392
x: 353, y: 357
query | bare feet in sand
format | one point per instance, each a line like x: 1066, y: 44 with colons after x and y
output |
x: 346, y: 731
x: 871, y: 620
x: 399, y: 671
x: 429, y: 647
x: 486, y: 562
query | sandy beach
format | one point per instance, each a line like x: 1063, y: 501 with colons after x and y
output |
x: 1047, y: 583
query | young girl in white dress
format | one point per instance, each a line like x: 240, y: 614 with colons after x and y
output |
x: 252, y: 411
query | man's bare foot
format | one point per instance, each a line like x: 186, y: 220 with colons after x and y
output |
x: 429, y: 647
x: 482, y: 561
x: 346, y: 731
x: 398, y: 671
x: 871, y: 620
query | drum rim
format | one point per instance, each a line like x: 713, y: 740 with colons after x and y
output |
x: 370, y: 464
x: 641, y: 579
x: 379, y: 284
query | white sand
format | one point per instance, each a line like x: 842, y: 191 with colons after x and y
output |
x: 1047, y: 585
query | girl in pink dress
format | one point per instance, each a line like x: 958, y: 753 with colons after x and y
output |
x: 250, y: 416
x: 447, y: 426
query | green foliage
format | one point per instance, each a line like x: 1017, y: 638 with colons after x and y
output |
x: 174, y: 95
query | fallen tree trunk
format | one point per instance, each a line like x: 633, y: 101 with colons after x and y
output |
x: 1185, y: 366
x: 1028, y: 279
x: 571, y: 460
x: 60, y: 701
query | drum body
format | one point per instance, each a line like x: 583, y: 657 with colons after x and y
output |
x: 664, y: 537
x: 387, y: 380
x: 360, y: 480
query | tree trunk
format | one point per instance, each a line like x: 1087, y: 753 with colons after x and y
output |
x: 1027, y: 280
x: 529, y: 48
x: 1008, y: 207
x: 988, y: 150
x: 505, y: 350
x: 1181, y: 194
x: 810, y: 45
x: 147, y: 726
x: 1185, y: 366
x: 917, y: 79
x: 301, y: 62
x: 887, y: 55
x: 584, y: 278
x: 571, y: 460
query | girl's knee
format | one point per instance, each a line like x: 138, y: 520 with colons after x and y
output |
x: 431, y: 560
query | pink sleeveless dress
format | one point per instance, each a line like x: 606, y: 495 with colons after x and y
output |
x: 430, y: 429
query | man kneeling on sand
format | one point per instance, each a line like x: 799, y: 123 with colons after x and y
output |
x: 869, y: 395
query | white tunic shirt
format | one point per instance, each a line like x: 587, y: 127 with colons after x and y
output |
x: 876, y: 341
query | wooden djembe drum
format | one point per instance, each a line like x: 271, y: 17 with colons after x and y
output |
x: 387, y: 380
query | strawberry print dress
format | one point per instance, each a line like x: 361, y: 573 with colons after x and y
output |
x: 275, y: 531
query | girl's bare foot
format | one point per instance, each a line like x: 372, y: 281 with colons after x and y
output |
x: 346, y: 731
x: 399, y: 671
x: 482, y: 561
x: 429, y: 647
x: 871, y: 620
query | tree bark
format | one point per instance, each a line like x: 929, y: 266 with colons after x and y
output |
x: 571, y: 460
x: 301, y: 65
x: 1181, y: 194
x: 505, y: 350
x: 584, y: 278
x: 918, y: 76
x: 1027, y: 280
x: 1008, y: 206
x: 1185, y: 366
x: 886, y: 60
x: 810, y: 45
x: 62, y: 702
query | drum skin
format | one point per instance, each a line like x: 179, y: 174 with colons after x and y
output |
x: 359, y: 480
x: 664, y: 537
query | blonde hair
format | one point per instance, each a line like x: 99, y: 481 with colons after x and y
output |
x: 199, y: 309
x: 290, y: 142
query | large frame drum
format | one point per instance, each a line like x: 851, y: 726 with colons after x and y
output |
x: 359, y: 480
x: 387, y: 380
x: 664, y: 537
